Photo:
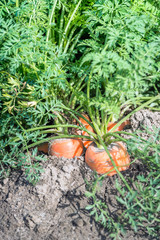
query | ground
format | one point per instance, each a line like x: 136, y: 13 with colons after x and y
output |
x: 54, y: 208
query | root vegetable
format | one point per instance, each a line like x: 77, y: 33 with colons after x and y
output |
x: 64, y: 147
x: 120, y: 128
x: 98, y: 159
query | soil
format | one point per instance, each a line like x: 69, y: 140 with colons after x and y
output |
x: 55, y: 207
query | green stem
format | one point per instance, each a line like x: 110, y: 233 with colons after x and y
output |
x: 68, y: 24
x: 90, y: 108
x: 74, y: 98
x: 75, y: 89
x: 17, y: 3
x: 52, y: 130
x: 97, y: 110
x: 24, y: 133
x: 50, y: 19
x: 77, y: 37
x: 56, y: 126
x: 88, y: 94
x: 61, y: 24
x: 77, y: 113
x: 52, y: 138
x: 69, y: 39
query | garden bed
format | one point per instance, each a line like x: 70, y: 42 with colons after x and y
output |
x: 72, y: 73
x: 55, y: 207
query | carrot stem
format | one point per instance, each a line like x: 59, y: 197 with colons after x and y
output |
x: 90, y: 108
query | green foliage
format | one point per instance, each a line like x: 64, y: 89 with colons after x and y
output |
x: 18, y: 115
x: 37, y: 43
x: 11, y: 154
x: 16, y: 94
x: 123, y: 48
x: 150, y: 147
x: 144, y: 213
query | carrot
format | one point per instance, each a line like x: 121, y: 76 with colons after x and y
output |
x: 83, y: 121
x: 66, y: 147
x: 120, y: 128
x: 99, y: 161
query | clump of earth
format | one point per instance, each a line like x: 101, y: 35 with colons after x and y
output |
x: 54, y: 208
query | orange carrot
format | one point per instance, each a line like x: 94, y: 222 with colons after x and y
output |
x: 98, y: 159
x: 120, y: 128
x: 66, y: 147
x: 83, y: 121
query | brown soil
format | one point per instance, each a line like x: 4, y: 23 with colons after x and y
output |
x: 55, y: 207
